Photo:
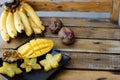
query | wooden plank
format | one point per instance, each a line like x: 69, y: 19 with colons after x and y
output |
x: 81, y: 45
x: 91, y: 33
x: 119, y: 16
x: 14, y: 43
x: 71, y: 6
x: 90, y: 61
x: 96, y: 15
x: 81, y: 22
x: 85, y: 75
x: 93, y: 61
x: 2, y: 77
x: 115, y: 11
x: 85, y: 45
x: 73, y: 0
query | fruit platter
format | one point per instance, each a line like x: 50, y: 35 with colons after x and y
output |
x: 59, y: 40
x: 39, y: 73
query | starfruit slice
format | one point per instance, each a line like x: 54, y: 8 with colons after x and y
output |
x: 10, y: 69
x: 51, y: 61
x: 30, y: 64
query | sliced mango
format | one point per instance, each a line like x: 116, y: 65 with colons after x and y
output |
x: 35, y: 48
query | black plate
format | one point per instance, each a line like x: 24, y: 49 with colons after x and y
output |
x: 39, y: 74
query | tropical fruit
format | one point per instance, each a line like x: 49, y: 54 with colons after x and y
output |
x: 35, y: 47
x: 18, y: 17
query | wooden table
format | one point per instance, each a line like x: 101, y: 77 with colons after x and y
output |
x: 95, y: 48
x: 95, y: 55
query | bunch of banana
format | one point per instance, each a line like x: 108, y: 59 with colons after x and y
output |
x: 18, y: 17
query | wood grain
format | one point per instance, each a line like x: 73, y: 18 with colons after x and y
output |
x: 85, y: 45
x: 89, y: 61
x: 83, y: 22
x: 85, y: 75
x: 2, y: 77
x: 91, y: 33
x: 80, y: 45
x: 119, y: 15
x: 91, y: 6
x: 93, y: 61
x: 72, y: 0
x: 115, y: 11
x: 14, y: 43
x: 97, y: 44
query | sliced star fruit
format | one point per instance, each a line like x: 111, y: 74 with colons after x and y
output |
x: 51, y: 61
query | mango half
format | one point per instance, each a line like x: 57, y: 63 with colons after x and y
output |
x: 35, y: 48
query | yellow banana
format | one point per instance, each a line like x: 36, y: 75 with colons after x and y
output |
x: 18, y: 23
x: 26, y: 23
x: 10, y: 25
x: 33, y: 15
x: 35, y: 28
x: 3, y: 30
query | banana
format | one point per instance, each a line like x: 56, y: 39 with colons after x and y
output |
x: 3, y: 30
x: 35, y: 28
x: 18, y: 23
x: 25, y: 21
x: 10, y: 25
x: 33, y: 15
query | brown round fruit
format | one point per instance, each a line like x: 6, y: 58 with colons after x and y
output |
x: 55, y: 25
x: 66, y: 35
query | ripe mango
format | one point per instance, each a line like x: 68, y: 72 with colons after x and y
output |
x: 35, y: 48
